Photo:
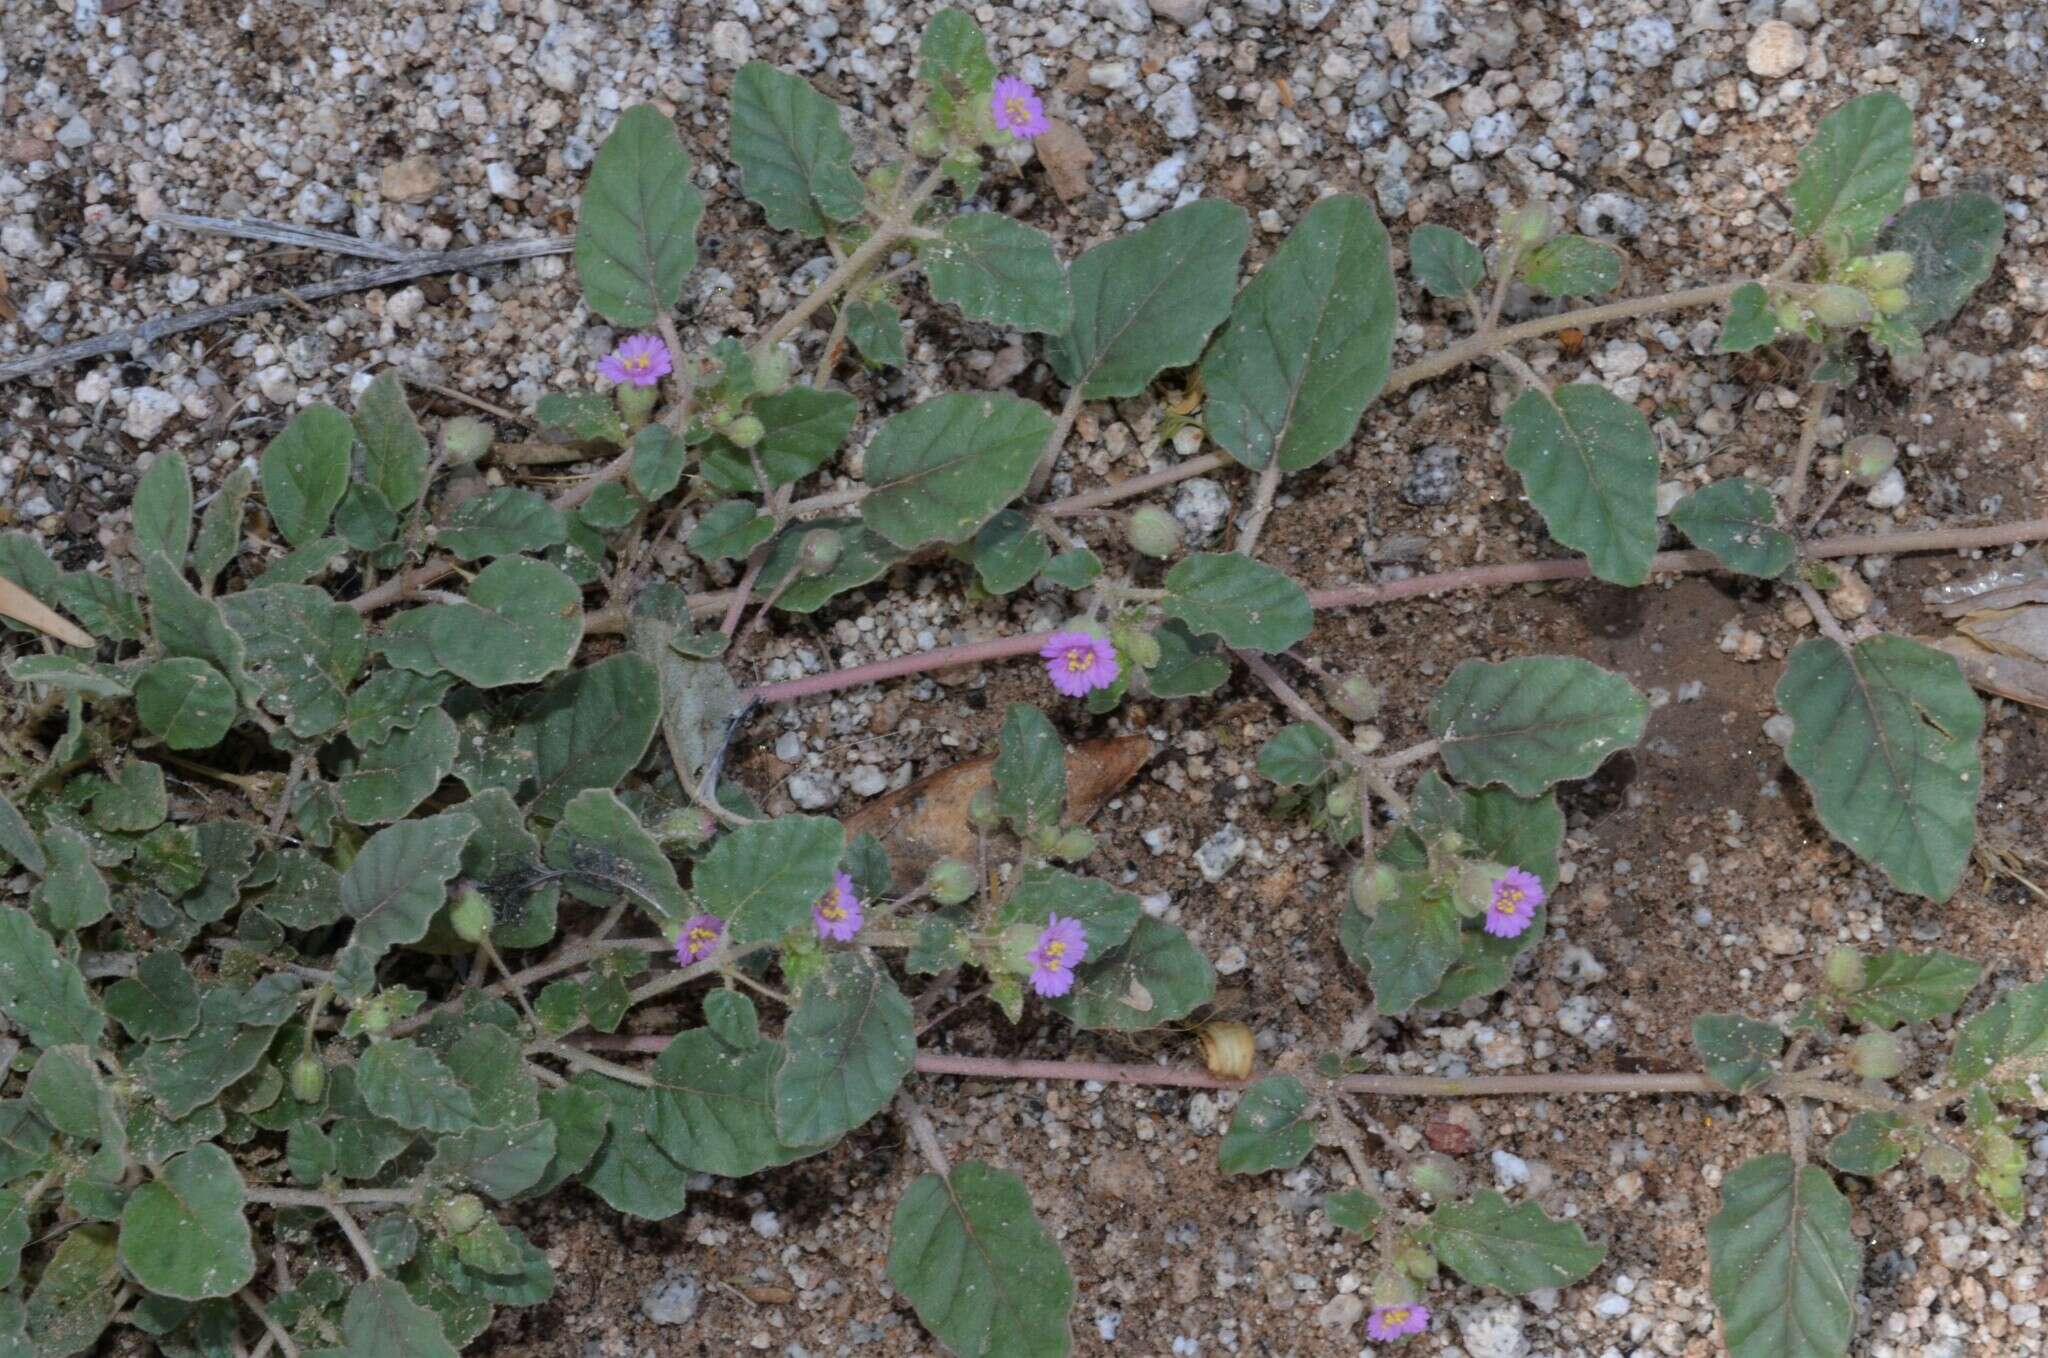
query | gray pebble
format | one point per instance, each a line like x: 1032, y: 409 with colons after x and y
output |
x: 673, y: 1300
x: 1201, y: 507
x: 1613, y: 214
x: 1220, y: 853
x: 1649, y: 40
x: 1941, y: 16
x: 1434, y: 480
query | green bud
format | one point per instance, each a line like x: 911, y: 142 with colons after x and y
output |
x: 635, y: 403
x: 466, y: 438
x: 771, y: 373
x: 1073, y: 845
x: 1791, y: 317
x: 1888, y: 270
x: 1372, y: 884
x: 1007, y: 993
x: 1530, y: 226
x: 309, y: 1079
x: 950, y: 881
x: 1838, y: 306
x: 1877, y: 1056
x: 1141, y: 646
x: 1868, y: 457
x: 1945, y: 1163
x: 1417, y: 1262
x: 1844, y: 971
x: 746, y: 431
x: 375, y: 1015
x: 1891, y: 301
x: 687, y: 825
x: 1341, y: 803
x: 883, y: 179
x: 818, y: 552
x: 927, y: 142
x: 1155, y: 533
x: 981, y: 809
x: 1394, y: 1288
x: 1436, y: 1175
x: 1474, y: 891
x: 1835, y: 244
x: 471, y: 916
x: 1356, y: 696
x: 462, y: 1214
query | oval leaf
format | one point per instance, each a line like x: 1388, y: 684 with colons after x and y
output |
x: 521, y: 621
x: 1737, y: 521
x: 795, y: 159
x: 1247, y: 603
x: 998, y: 270
x: 712, y: 1107
x: 1269, y: 1129
x: 763, y: 879
x: 1533, y: 722
x: 849, y: 1046
x: 1853, y: 174
x: 1516, y: 1249
x: 1589, y: 464
x: 984, y: 1275
x: 1903, y: 987
x: 939, y: 471
x: 1444, y: 262
x: 1571, y: 266
x: 636, y: 228
x: 1737, y: 1051
x: 305, y: 471
x: 1785, y: 1265
x: 1157, y: 976
x: 1954, y: 241
x: 183, y: 1234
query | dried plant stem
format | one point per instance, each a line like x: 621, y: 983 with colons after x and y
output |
x: 889, y: 233
x: 1809, y: 439
x: 923, y: 1134
x: 346, y: 1197
x: 1823, y: 617
x: 1262, y: 505
x: 1371, y: 770
x: 1062, y: 425
x: 278, y: 1334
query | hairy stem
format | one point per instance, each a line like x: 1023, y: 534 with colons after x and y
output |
x: 889, y: 233
x: 314, y: 1197
x: 278, y: 1334
x: 1809, y: 439
x: 1262, y: 505
x: 1062, y: 425
x: 923, y: 1134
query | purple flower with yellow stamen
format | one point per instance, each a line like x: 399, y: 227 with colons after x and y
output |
x: 1018, y: 109
x: 1396, y: 1322
x: 639, y: 361
x: 1061, y: 948
x: 699, y: 938
x: 1515, y: 898
x: 1078, y: 663
x: 837, y: 914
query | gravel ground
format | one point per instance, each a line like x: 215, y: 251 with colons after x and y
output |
x: 1667, y: 127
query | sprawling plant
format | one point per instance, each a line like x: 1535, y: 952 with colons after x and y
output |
x: 452, y: 839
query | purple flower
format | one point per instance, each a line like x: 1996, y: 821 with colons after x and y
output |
x: 1515, y: 898
x: 837, y: 913
x: 1061, y: 948
x: 1078, y: 663
x: 1396, y: 1322
x: 699, y: 938
x: 640, y: 361
x: 1018, y: 109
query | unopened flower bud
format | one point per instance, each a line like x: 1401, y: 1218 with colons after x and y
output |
x: 1888, y: 270
x: 1372, y: 884
x: 375, y: 1015
x: 1417, y: 1262
x: 462, y: 1214
x: 1530, y: 226
x: 1073, y: 845
x: 1394, y: 1288
x: 771, y: 373
x: 466, y: 438
x: 309, y: 1079
x: 1155, y: 533
x: 1356, y: 696
x: 981, y: 809
x: 1891, y: 301
x: 951, y: 881
x: 819, y: 552
x: 1227, y: 1049
x: 688, y: 825
x: 1474, y: 892
x: 1844, y: 971
x: 1437, y: 1176
x: 1877, y: 1056
x: 471, y: 916
x: 636, y: 402
x: 1839, y: 306
x: 1140, y: 646
x: 1868, y: 457
x: 746, y: 431
x: 926, y: 140
x: 1945, y: 1163
x: 1341, y: 803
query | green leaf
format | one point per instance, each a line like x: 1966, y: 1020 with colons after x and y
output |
x: 18, y: 841
x: 801, y: 429
x: 41, y: 990
x: 940, y: 470
x: 220, y: 527
x: 1885, y: 736
x: 1189, y: 666
x: 1737, y: 520
x: 64, y: 1087
x: 1444, y: 262
x: 1308, y: 343
x: 636, y: 227
x: 1009, y: 553
x: 400, y: 878
x: 1904, y: 987
x: 763, y: 879
x: 395, y: 454
x: 581, y: 417
x: 187, y: 1074
x: 629, y: 1170
x: 186, y: 702
x: 1589, y: 464
x: 88, y: 677
x: 849, y: 1046
x: 1571, y: 266
x: 366, y: 521
x: 731, y: 530
x: 863, y: 557
x: 1247, y: 603
x: 304, y: 652
x: 1853, y: 174
x: 794, y: 158
x: 1869, y: 1145
x: 579, y: 1117
x: 984, y: 1276
x: 383, y: 1321
x: 133, y: 801
x: 607, y: 854
x: 1533, y: 722
x: 1784, y: 1263
x: 502, y: 522
x: 1752, y: 321
x: 183, y: 1234
x: 713, y: 1110
x: 305, y: 471
x: 2005, y: 1047
x: 876, y: 329
x: 1147, y: 301
x: 188, y: 626
x: 1154, y: 978
x: 307, y: 894
x: 78, y: 1294
x: 590, y: 729
x: 1411, y: 943
x: 953, y: 63
x: 1107, y: 915
x: 698, y: 697
x: 387, y: 781
x: 503, y: 1161
x: 393, y: 700
x: 1516, y: 1249
x: 1354, y: 1210
x: 1954, y: 242
x: 72, y: 894
x: 1737, y: 1051
x: 1271, y: 1128
x: 998, y: 270
x: 658, y: 458
x: 1030, y: 771
x: 1075, y: 568
x: 1297, y: 755
x: 159, y: 1001
x: 522, y: 620
x: 163, y: 510
x: 403, y: 1082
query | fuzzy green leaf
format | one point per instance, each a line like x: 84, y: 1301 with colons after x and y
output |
x: 713, y: 1106
x: 388, y: 780
x: 590, y: 729
x: 1853, y: 174
x: 2005, y: 1047
x: 220, y: 527
x: 78, y: 1294
x: 629, y: 1170
x: 304, y: 651
x: 1752, y: 321
x: 1903, y: 987
x: 400, y: 878
x: 1571, y: 266
x: 764, y: 878
x: 801, y: 429
x: 1516, y: 1249
x: 1271, y: 1128
x: 1954, y: 242
x: 1444, y: 262
x: 1247, y: 603
x: 1030, y: 771
x: 609, y: 856
x: 41, y: 990
x: 998, y: 270
x: 731, y: 530
x: 186, y: 702
x: 383, y: 1321
x: 1533, y: 722
x: 1154, y: 978
x: 502, y: 522
x: 1737, y: 520
x: 72, y: 894
x: 849, y: 1046
x: 395, y: 453
x: 1784, y: 1262
x: 1411, y: 943
x: 1589, y: 464
x: 1297, y: 755
x: 162, y: 509
x: 521, y: 621
x: 405, y: 1083
x: 1009, y: 553
x: 794, y: 158
x: 1737, y: 1051
x: 305, y: 471
x: 939, y: 471
x: 985, y: 1277
x: 1869, y: 1145
x: 876, y: 330
x: 636, y: 227
x: 864, y: 557
x: 183, y: 1234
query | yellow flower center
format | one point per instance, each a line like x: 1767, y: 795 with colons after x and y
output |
x: 1079, y: 659
x: 637, y: 363
x: 1018, y: 110
x: 1510, y: 900
x: 1396, y: 1316
x: 1054, y: 951
x: 833, y: 911
x: 701, y: 938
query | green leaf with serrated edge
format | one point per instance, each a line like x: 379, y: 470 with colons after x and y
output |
x: 384, y: 1321
x: 1154, y: 978
x: 1752, y: 321
x: 440, y: 1280
x: 1297, y: 755
x: 183, y: 1234
x: 713, y: 1111
x: 1147, y: 301
x: 629, y: 1170
x: 801, y: 429
x: 393, y: 700
x: 1107, y: 915
x: 186, y: 702
x: 607, y: 856
x: 304, y: 651
x: 186, y: 1074
x: 90, y: 678
x: 984, y: 1276
x: 72, y: 894
x: 636, y: 226
x: 395, y: 452
x: 305, y: 470
x: 2005, y: 1047
x: 579, y: 1117
x: 403, y: 1082
x: 522, y: 621
x: 1737, y: 1051
x: 220, y: 527
x: 64, y: 1087
x: 1354, y: 1210
x: 388, y: 780
x: 1784, y: 1263
x: 1444, y: 262
x: 1075, y: 568
x: 1271, y: 1128
x: 1885, y: 737
x: 863, y: 557
x: 1308, y: 342
x: 876, y: 330
x: 307, y: 893
x: 1869, y: 1145
x: 503, y: 1161
x: 1188, y: 665
x: 1954, y: 242
x: 996, y: 269
x: 590, y: 729
x: 953, y: 64
x: 102, y: 607
x: 400, y: 878
x: 1737, y: 521
x: 1411, y: 943
x: 18, y: 841
x: 41, y: 990
x: 162, y: 509
x: 154, y: 1138
x: 1247, y: 603
x: 581, y: 417
x: 1853, y: 174
x: 940, y: 470
x: 188, y: 626
x: 762, y: 879
x: 1904, y: 987
x: 731, y: 531
x: 1030, y: 771
x: 133, y: 801
x: 849, y: 1046
x: 1571, y: 266
x: 502, y: 522
x: 794, y: 158
x: 1009, y: 553
x: 1589, y: 464
x: 159, y: 1001
x: 1533, y: 722
x: 1516, y: 1249
x: 76, y: 1298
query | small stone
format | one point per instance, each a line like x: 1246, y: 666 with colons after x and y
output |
x: 731, y: 43
x: 1621, y: 358
x: 1133, y: 16
x: 673, y: 1300
x: 412, y: 180
x: 1231, y: 961
x: 1648, y: 40
x: 1342, y: 1311
x: 319, y: 203
x: 1186, y: 13
x: 1780, y: 938
x: 867, y: 781
x: 1220, y: 853
x: 557, y: 61
x: 1066, y: 156
x: 503, y: 179
x: 76, y: 133
x: 1147, y: 197
x: 277, y: 384
x: 1175, y: 113
x: 1940, y: 17
x: 1435, y: 479
x: 1805, y: 13
x: 149, y: 410
x: 124, y: 78
x: 1888, y: 493
x: 405, y: 306
x: 1611, y: 1306
x: 1510, y: 1169
x: 1613, y: 214
x: 1851, y: 599
x: 1500, y: 39
x: 813, y: 791
x: 1775, y: 50
x: 1492, y: 1329
x: 766, y: 1224
x: 1202, y: 507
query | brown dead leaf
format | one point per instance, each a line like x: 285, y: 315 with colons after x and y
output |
x: 927, y: 820
x: 25, y: 608
x: 2018, y: 632
x: 1066, y: 156
x: 2008, y: 676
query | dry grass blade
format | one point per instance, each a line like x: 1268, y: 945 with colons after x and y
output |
x: 18, y: 604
